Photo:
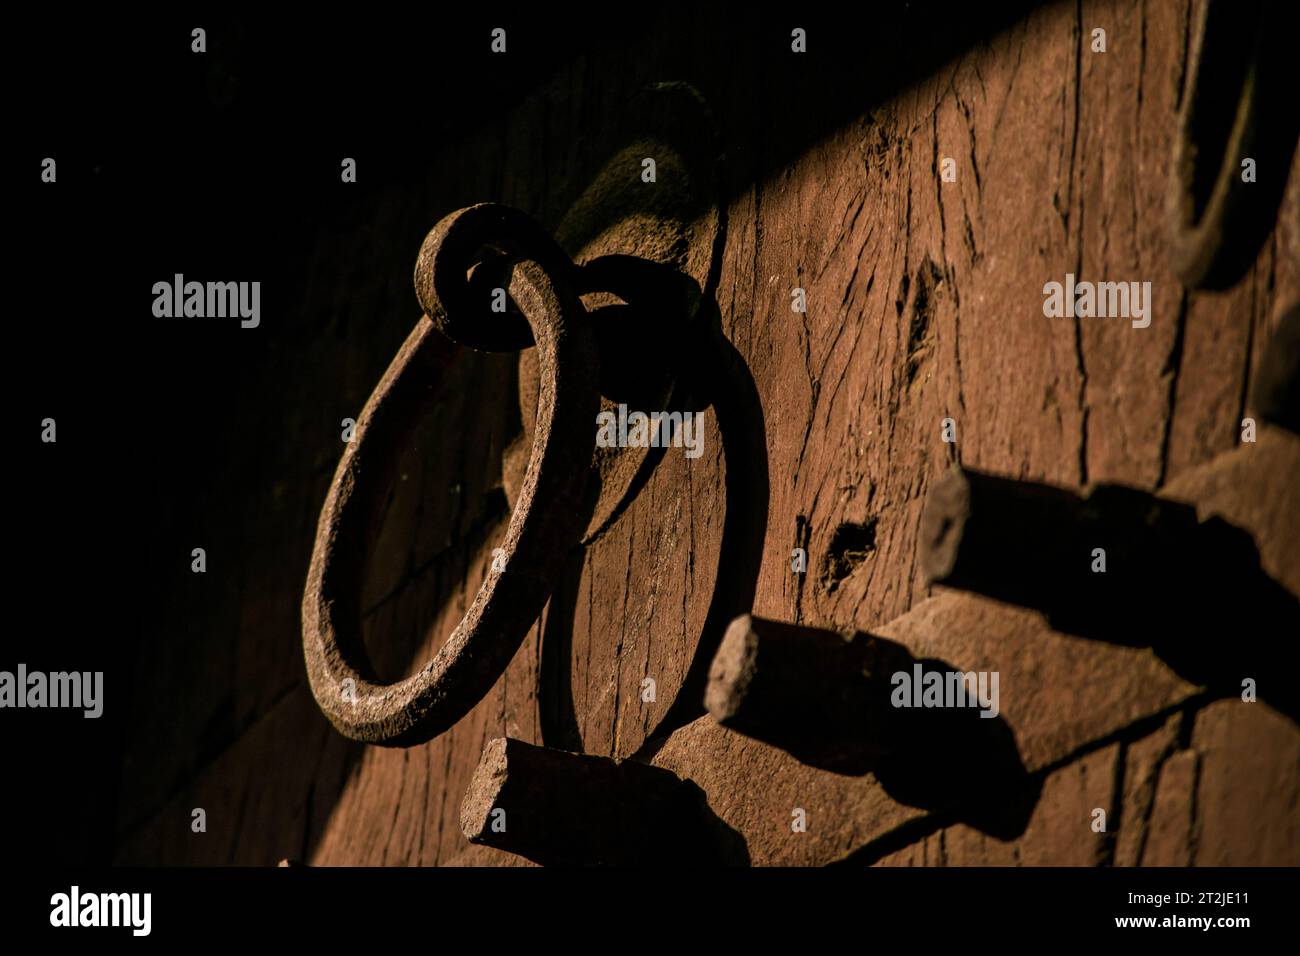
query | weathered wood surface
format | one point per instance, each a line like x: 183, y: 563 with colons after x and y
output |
x: 1190, y: 803
x: 924, y: 302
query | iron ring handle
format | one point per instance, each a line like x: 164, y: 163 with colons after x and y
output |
x: 1238, y: 104
x: 460, y: 311
x: 547, y: 518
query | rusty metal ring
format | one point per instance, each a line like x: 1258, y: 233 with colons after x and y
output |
x: 546, y: 522
x: 1237, y: 106
x: 455, y: 306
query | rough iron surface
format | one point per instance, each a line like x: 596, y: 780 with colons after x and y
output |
x: 547, y: 519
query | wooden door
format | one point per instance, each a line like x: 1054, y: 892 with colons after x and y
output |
x: 871, y: 223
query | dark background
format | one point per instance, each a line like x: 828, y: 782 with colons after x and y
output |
x: 220, y: 166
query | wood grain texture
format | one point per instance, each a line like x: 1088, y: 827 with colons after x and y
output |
x: 924, y: 303
x: 1060, y: 832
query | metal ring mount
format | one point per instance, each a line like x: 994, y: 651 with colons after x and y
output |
x: 547, y: 519
x: 456, y: 307
x: 1238, y: 105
